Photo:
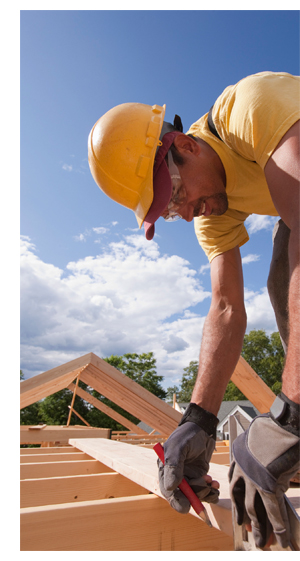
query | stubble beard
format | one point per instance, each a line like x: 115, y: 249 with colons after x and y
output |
x: 218, y: 203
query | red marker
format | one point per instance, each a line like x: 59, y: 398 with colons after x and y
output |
x: 186, y: 490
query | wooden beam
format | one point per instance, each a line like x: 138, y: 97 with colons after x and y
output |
x: 132, y: 397
x: 77, y: 488
x: 73, y: 399
x: 140, y: 523
x: 252, y: 386
x: 220, y: 458
x: 51, y: 381
x: 79, y: 416
x: 108, y: 410
x: 140, y: 465
x: 56, y: 450
x: 60, y: 469
x: 60, y: 433
x: 45, y: 457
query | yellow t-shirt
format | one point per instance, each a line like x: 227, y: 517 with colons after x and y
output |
x: 251, y: 118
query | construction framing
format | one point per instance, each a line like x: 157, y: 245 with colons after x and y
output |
x: 88, y: 489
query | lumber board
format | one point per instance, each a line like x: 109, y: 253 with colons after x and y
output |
x: 55, y: 450
x: 140, y: 523
x: 60, y: 433
x: 107, y: 410
x: 140, y: 465
x: 142, y: 404
x: 58, y: 469
x: 220, y: 458
x: 64, y: 457
x: 51, y: 381
x: 252, y: 386
x: 77, y: 488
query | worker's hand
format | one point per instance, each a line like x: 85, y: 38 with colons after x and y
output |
x: 265, y: 459
x: 187, y: 454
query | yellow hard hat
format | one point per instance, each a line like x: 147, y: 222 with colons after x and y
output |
x: 121, y: 151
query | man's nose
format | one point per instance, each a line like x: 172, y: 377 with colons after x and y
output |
x: 187, y: 212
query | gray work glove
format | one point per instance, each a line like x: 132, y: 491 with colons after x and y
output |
x: 187, y: 454
x: 265, y: 459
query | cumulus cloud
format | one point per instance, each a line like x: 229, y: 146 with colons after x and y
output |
x: 204, y: 269
x: 66, y: 167
x: 260, y: 314
x: 129, y: 298
x: 250, y: 258
x: 257, y: 222
x: 100, y: 230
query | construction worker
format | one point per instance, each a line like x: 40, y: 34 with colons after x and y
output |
x: 240, y: 158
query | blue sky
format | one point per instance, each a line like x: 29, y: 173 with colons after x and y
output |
x: 89, y: 280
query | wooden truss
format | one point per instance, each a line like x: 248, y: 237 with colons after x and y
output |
x: 107, y: 381
x: 102, y: 493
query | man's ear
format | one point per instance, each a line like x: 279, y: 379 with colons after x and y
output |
x: 185, y: 143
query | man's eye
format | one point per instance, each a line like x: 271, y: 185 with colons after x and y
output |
x: 177, y: 198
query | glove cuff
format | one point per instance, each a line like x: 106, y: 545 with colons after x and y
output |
x: 204, y: 419
x: 286, y: 413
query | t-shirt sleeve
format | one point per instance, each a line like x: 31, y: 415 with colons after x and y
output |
x: 217, y: 234
x: 252, y: 116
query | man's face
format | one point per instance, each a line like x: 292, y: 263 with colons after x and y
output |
x: 198, y: 187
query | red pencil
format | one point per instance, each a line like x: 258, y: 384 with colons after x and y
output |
x: 186, y: 490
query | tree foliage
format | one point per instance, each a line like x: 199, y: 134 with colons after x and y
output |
x: 265, y: 355
x: 140, y: 368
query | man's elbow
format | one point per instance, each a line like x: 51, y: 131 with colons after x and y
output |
x: 230, y: 314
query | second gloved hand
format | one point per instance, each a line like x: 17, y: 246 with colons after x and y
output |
x: 187, y: 454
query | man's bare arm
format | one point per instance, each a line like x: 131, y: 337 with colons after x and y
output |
x: 282, y: 172
x: 223, y: 332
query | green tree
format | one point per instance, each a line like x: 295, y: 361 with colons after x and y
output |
x: 54, y: 408
x: 264, y: 353
x: 233, y: 393
x: 188, y: 381
x: 266, y: 356
x: 170, y: 392
x: 139, y: 367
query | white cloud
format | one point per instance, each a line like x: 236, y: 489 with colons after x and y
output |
x: 260, y: 314
x: 66, y: 167
x: 83, y: 236
x: 100, y: 230
x: 204, y: 268
x: 256, y: 222
x: 250, y: 258
x: 129, y: 298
